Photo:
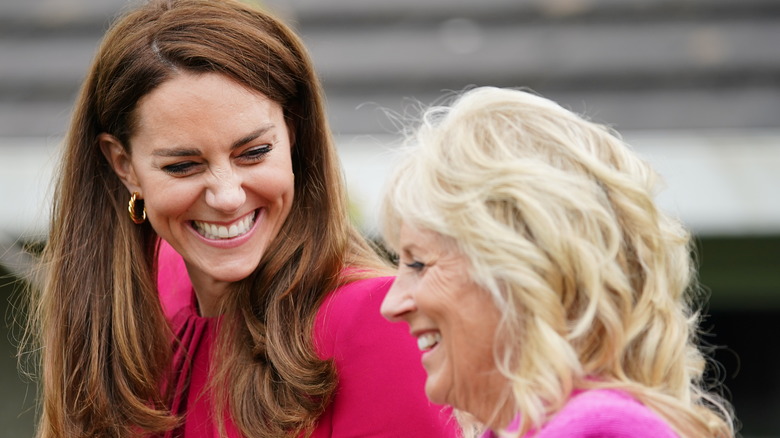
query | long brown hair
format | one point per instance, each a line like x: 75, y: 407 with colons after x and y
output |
x: 105, y: 342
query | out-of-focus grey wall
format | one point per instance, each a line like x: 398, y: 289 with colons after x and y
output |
x: 694, y: 85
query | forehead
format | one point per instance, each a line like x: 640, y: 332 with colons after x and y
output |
x: 187, y: 88
x: 413, y: 237
x: 204, y: 106
x: 411, y: 233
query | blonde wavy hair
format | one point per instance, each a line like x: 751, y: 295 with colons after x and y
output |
x: 557, y: 218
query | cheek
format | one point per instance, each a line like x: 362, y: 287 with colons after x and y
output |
x: 278, y: 185
x: 474, y: 339
x: 434, y: 304
x: 171, y: 200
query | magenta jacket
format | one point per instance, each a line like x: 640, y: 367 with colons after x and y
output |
x: 381, y: 381
x: 600, y: 413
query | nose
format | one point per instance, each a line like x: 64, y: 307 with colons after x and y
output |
x: 399, y: 303
x: 225, y: 191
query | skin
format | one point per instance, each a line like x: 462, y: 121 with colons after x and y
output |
x: 436, y: 296
x: 209, y: 150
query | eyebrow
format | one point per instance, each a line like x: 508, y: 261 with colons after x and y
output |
x: 188, y: 151
x: 409, y: 248
x: 252, y: 135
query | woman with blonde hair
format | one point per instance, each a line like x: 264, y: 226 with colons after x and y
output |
x: 549, y: 294
x: 199, y: 159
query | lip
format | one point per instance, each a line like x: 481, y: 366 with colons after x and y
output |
x: 235, y: 241
x: 419, y: 332
x: 228, y: 223
x: 425, y: 344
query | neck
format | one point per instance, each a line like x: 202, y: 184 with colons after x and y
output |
x: 209, y: 293
x: 502, y: 418
x: 498, y: 408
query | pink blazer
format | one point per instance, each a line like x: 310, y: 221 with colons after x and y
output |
x: 381, y: 381
x: 602, y: 413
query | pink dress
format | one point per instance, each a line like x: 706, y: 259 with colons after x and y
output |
x: 600, y: 413
x: 381, y: 381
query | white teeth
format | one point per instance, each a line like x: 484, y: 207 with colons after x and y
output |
x: 212, y: 231
x: 428, y: 341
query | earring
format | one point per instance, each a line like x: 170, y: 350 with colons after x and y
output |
x: 133, y: 213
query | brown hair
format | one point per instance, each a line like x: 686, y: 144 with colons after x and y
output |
x: 106, y: 344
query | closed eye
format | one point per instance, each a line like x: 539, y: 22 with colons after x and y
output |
x: 255, y: 154
x: 181, y: 169
x: 415, y: 266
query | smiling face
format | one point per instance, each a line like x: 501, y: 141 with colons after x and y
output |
x: 211, y: 160
x: 454, y: 321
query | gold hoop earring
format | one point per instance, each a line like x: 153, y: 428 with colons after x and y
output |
x: 131, y: 209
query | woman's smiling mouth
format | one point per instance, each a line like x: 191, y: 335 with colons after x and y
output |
x: 428, y: 340
x: 217, y: 232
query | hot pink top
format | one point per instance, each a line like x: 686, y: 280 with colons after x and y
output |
x: 600, y: 413
x: 380, y: 390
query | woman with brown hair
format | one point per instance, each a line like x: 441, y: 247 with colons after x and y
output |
x: 204, y: 121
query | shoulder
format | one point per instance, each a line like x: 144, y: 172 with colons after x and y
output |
x: 355, y: 304
x: 380, y: 377
x: 357, y: 295
x: 606, y: 413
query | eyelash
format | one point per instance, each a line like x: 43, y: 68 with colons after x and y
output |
x: 415, y: 266
x: 257, y: 153
x: 179, y: 169
x: 252, y: 155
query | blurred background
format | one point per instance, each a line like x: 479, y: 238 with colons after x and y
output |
x: 693, y: 85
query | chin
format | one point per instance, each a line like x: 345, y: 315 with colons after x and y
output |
x: 434, y: 395
x: 233, y: 278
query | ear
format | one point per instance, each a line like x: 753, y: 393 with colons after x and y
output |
x: 119, y: 160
